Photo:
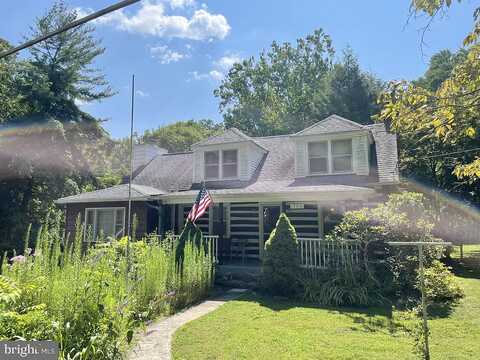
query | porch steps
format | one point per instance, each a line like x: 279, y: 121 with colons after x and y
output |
x: 237, y: 276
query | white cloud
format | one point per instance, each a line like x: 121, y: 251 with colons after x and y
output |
x: 181, y: 3
x: 166, y: 55
x: 220, y: 68
x: 151, y: 19
x: 142, y: 93
x: 216, y: 75
x: 227, y: 61
x: 198, y: 76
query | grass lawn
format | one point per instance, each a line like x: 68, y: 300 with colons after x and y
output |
x: 256, y: 327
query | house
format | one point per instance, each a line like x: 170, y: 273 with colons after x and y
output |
x: 314, y: 176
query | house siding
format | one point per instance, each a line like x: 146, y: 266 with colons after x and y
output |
x: 75, y: 209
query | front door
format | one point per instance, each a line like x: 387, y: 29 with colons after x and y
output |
x: 269, y: 214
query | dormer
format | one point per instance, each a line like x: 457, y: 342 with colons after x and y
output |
x: 231, y: 155
x: 333, y: 146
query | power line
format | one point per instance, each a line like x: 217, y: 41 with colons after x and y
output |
x: 448, y: 153
x: 73, y: 24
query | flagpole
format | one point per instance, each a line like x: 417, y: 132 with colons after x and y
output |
x: 129, y: 221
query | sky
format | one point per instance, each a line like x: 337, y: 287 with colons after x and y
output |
x: 180, y: 50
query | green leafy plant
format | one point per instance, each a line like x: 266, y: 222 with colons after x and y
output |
x: 440, y: 284
x: 280, y: 265
x: 90, y: 300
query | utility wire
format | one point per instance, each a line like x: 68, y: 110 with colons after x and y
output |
x: 449, y: 153
x: 73, y: 24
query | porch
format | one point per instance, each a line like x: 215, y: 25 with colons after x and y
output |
x: 239, y: 230
x: 313, y: 254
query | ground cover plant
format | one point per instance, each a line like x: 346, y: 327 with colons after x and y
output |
x: 90, y: 300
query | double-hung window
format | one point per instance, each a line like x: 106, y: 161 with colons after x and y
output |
x: 342, y: 155
x: 318, y: 157
x: 330, y: 156
x: 221, y: 164
x: 212, y: 164
x: 229, y: 164
x: 104, y: 222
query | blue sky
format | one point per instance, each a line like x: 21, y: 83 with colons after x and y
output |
x: 179, y: 50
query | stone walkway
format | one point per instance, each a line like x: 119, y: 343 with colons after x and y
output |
x: 156, y: 342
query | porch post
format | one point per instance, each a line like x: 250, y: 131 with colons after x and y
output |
x: 321, y: 230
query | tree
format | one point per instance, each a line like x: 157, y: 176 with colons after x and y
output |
x: 281, y: 261
x: 48, y: 152
x: 291, y: 87
x: 60, y: 72
x: 353, y: 93
x: 10, y: 100
x: 440, y: 68
x: 447, y: 115
x: 179, y: 136
x: 281, y: 92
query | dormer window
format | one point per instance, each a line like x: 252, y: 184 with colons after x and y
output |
x: 229, y: 164
x: 330, y: 157
x: 342, y: 155
x: 318, y: 157
x: 212, y: 168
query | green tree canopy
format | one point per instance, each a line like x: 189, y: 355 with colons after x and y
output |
x: 59, y: 72
x: 441, y: 114
x: 352, y: 92
x: 48, y: 147
x: 440, y: 68
x: 290, y: 87
x: 179, y: 136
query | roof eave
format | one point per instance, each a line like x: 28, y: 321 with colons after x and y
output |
x: 88, y: 201
x: 307, y: 196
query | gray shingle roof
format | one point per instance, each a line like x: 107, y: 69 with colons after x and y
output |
x: 173, y: 173
x: 231, y: 135
x: 332, y: 124
x: 168, y: 172
x: 387, y: 153
x: 114, y: 193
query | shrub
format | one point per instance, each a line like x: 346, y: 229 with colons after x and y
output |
x: 403, y: 217
x: 440, y: 285
x: 281, y: 262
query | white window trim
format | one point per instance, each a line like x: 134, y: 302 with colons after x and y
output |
x: 220, y: 165
x: 95, y: 211
x: 330, y: 158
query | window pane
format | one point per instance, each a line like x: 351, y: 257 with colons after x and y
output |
x: 119, y: 230
x: 211, y: 157
x: 230, y: 171
x: 211, y: 172
x: 105, y: 223
x: 342, y: 163
x: 89, y: 230
x: 229, y: 156
x: 342, y: 147
x: 90, y: 217
x: 318, y: 165
x: 318, y: 149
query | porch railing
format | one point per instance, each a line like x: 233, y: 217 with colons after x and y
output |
x: 328, y: 254
x: 212, y: 243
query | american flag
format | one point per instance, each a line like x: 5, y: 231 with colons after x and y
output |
x: 201, y: 204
